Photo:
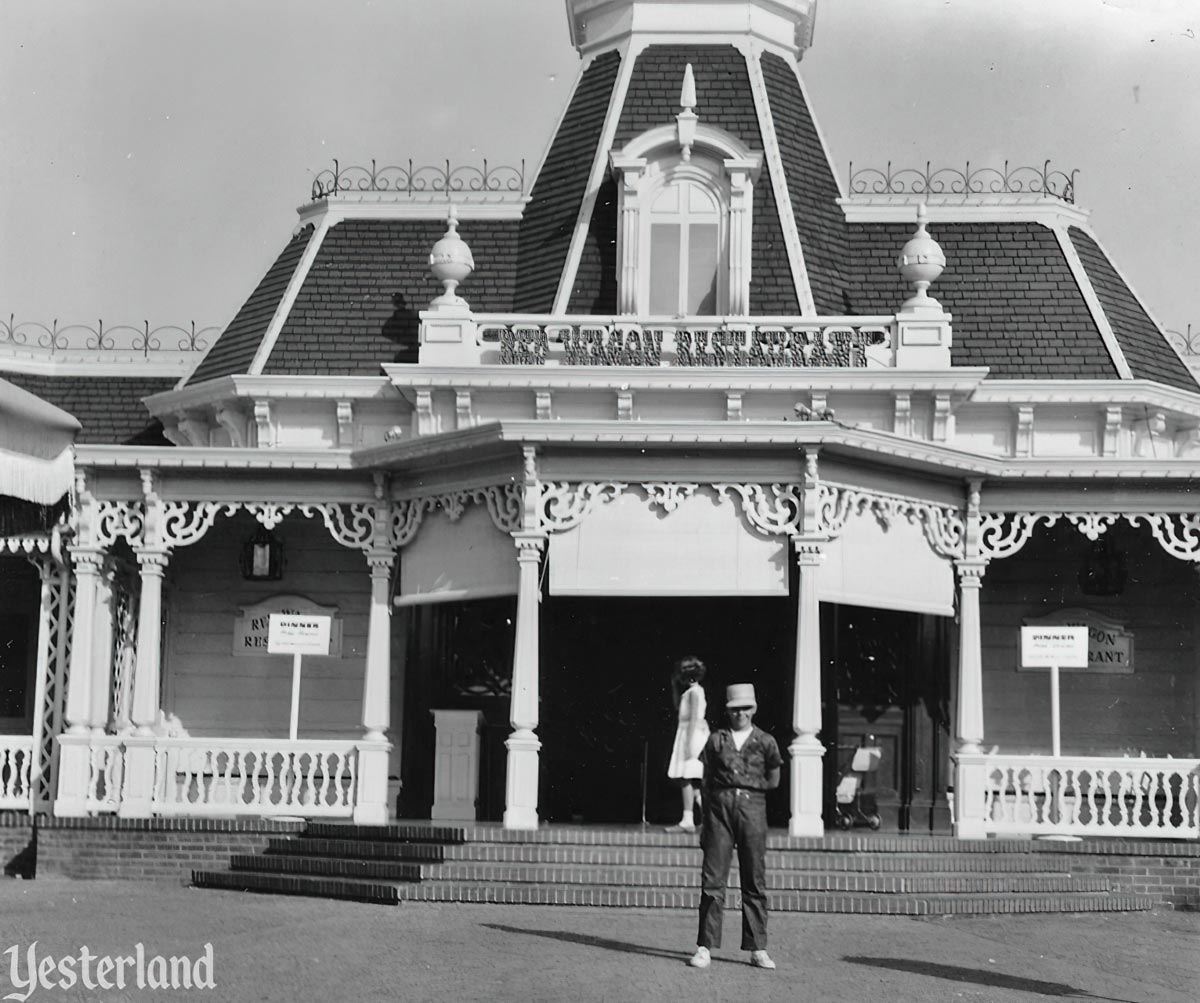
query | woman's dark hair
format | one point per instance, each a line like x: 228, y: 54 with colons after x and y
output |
x: 690, y: 670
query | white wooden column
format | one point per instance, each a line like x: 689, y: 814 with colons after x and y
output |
x: 88, y: 564
x: 74, y: 756
x: 102, y: 645
x: 970, y: 772
x: 152, y: 567
x: 521, y: 785
x: 138, y: 787
x: 807, y: 776
x: 371, y: 805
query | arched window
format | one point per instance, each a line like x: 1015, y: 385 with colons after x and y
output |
x: 684, y: 238
x: 687, y: 251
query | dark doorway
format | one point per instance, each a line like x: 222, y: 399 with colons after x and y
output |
x: 607, y: 718
x: 457, y: 656
x: 19, y: 596
x: 886, y: 684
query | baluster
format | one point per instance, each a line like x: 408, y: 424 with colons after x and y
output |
x: 351, y: 761
x: 6, y: 756
x: 296, y: 772
x: 321, y: 797
x: 274, y: 780
x: 265, y: 770
x: 310, y: 781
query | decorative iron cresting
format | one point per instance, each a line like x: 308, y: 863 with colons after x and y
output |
x: 969, y: 181
x: 54, y: 340
x: 746, y: 345
x: 410, y: 179
x: 1186, y: 341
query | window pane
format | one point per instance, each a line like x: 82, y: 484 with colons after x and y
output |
x: 664, y: 268
x: 702, y: 269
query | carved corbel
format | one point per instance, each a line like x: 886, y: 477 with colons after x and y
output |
x: 1113, y: 416
x: 173, y: 434
x: 624, y: 405
x: 464, y: 411
x: 263, y: 424
x: 345, y: 424
x: 902, y: 421
x: 1187, y: 443
x: 1023, y: 444
x: 193, y: 427
x: 233, y: 421
x: 543, y: 405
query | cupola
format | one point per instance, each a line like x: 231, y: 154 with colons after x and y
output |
x: 784, y: 24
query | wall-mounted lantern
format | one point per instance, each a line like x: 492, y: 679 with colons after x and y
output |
x: 262, y: 557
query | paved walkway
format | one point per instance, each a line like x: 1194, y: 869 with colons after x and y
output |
x: 300, y: 950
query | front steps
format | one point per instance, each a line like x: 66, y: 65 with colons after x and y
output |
x: 646, y: 868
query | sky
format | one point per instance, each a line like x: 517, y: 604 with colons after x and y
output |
x: 155, y: 152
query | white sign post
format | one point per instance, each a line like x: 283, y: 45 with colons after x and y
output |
x: 297, y: 635
x: 1054, y: 648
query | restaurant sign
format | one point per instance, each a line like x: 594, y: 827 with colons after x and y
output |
x: 1110, y: 644
x: 252, y: 627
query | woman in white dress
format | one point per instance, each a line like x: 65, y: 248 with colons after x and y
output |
x: 690, y: 736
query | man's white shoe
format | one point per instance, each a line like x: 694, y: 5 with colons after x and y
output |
x: 761, y: 959
x: 701, y: 959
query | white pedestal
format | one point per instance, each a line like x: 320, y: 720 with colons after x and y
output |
x: 456, y: 764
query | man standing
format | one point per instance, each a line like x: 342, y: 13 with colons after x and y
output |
x: 741, y: 763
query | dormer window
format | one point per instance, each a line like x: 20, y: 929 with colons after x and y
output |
x: 686, y: 200
x: 688, y: 271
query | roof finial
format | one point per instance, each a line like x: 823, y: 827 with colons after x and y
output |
x: 451, y: 261
x: 921, y: 262
x: 687, y: 118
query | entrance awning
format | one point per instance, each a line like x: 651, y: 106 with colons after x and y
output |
x: 36, y: 461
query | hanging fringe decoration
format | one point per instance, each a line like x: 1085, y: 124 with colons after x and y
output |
x: 43, y: 482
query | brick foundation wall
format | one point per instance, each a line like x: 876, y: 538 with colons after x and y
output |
x: 148, y: 849
x: 1169, y: 872
x: 16, y: 845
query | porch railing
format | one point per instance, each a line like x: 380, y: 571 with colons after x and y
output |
x: 1090, y: 796
x: 261, y: 777
x: 16, y: 769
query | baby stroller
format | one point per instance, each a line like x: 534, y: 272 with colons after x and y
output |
x: 855, y: 802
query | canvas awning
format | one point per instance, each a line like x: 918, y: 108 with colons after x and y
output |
x: 36, y: 460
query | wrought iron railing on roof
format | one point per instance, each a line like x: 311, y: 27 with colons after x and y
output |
x: 430, y: 179
x: 1188, y: 342
x: 31, y: 337
x: 968, y: 181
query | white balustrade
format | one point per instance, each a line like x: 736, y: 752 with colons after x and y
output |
x: 261, y: 777
x: 16, y: 765
x: 106, y: 771
x: 1091, y: 796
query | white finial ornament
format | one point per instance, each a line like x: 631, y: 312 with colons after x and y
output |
x: 685, y: 121
x: 451, y: 261
x: 921, y: 261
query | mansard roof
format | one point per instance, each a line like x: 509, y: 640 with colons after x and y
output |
x: 1027, y: 302
x: 109, y: 408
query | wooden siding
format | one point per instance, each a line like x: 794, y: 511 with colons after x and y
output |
x: 1152, y: 710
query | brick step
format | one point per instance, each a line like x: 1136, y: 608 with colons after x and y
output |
x: 334, y: 867
x: 308, y: 847
x: 291, y: 884
x: 656, y: 836
x: 408, y: 832
x: 689, y: 856
x: 795, y: 901
x: 777, y: 880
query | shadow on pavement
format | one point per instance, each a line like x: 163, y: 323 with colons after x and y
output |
x: 587, y: 940
x: 982, y: 977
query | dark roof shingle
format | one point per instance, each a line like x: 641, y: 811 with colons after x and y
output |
x: 1015, y: 303
x: 109, y: 408
x: 234, y: 350
x: 1146, y: 350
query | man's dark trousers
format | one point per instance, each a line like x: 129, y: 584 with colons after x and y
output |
x: 734, y: 817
